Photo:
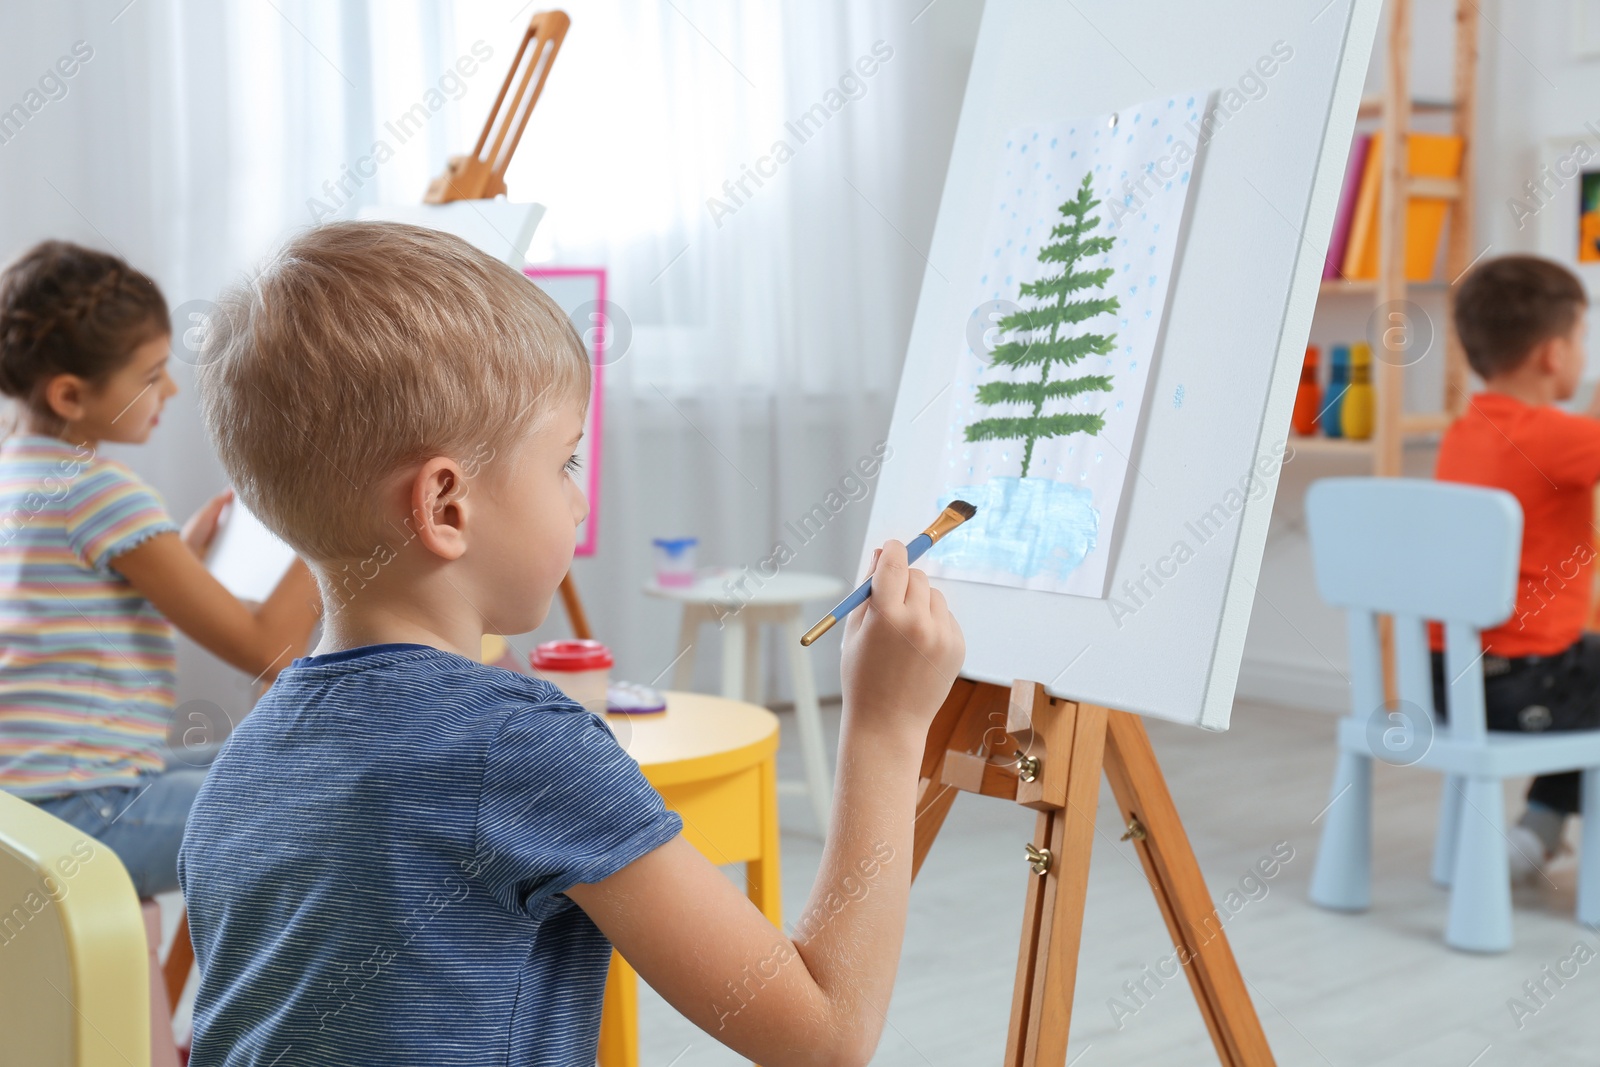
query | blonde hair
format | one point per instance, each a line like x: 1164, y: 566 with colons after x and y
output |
x: 362, y: 348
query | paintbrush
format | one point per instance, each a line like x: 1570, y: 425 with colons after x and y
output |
x: 957, y: 513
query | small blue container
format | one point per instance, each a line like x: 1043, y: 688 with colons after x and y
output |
x: 1338, y: 385
x: 675, y: 560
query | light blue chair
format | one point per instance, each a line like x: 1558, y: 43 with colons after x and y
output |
x: 1420, y: 550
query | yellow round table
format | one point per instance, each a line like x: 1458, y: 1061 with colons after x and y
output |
x: 714, y: 762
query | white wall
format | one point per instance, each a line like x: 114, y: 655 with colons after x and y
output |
x: 1530, y: 88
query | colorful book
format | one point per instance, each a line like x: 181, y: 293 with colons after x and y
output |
x: 1432, y: 155
x: 1351, y: 189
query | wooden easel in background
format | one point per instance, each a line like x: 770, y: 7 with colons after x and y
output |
x: 482, y: 174
x: 1047, y: 754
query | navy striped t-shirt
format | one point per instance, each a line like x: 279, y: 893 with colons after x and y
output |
x: 373, y: 869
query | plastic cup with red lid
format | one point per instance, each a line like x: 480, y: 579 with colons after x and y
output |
x: 579, y: 668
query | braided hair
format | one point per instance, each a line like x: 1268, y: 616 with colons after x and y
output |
x: 66, y: 309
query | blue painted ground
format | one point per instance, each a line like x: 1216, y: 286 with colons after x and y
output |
x: 1024, y: 526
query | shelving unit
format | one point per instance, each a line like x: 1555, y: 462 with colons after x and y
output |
x: 1395, y: 107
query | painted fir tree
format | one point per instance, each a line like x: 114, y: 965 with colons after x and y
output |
x: 1040, y: 336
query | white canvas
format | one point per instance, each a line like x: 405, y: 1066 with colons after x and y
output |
x: 1102, y: 199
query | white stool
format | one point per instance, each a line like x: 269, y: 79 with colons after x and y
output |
x: 774, y: 601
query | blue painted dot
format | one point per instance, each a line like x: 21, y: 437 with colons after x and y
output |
x: 1177, y: 397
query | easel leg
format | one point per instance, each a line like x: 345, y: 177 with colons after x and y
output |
x: 1181, y: 892
x: 973, y: 709
x: 1045, y: 753
x: 1052, y: 922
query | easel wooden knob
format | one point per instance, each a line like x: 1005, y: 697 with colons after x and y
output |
x: 1049, y: 755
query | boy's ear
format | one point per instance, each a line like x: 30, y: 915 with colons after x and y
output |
x: 439, y: 507
x: 1546, y: 355
x: 65, y: 394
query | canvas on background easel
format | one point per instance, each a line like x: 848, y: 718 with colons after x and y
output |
x: 1049, y: 758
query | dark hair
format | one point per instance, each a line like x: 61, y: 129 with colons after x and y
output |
x: 1508, y: 305
x: 66, y: 309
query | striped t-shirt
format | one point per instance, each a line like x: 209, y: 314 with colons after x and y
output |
x: 87, y: 665
x: 375, y: 867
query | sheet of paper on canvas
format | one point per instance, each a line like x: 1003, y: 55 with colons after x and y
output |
x: 1052, y: 529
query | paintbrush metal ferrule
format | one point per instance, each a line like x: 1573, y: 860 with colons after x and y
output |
x: 948, y: 520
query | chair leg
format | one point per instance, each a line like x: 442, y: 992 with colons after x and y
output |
x: 1342, y: 878
x: 1589, y: 856
x: 1480, y: 887
x: 733, y: 639
x: 163, y: 1049
x: 1444, y: 835
x: 808, y: 716
x: 688, y: 634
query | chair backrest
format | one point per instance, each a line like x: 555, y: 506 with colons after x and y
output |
x: 74, y: 968
x: 1417, y: 550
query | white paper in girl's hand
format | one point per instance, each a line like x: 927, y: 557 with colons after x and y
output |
x: 246, y: 557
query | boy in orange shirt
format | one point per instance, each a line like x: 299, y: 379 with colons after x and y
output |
x: 1521, y: 320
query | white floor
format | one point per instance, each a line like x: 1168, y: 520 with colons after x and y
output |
x: 1373, y: 989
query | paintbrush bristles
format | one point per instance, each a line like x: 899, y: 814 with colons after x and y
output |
x: 966, y: 509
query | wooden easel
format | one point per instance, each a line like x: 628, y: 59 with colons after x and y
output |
x: 482, y: 175
x: 1047, y: 754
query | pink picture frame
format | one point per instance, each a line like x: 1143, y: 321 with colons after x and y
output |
x: 583, y: 289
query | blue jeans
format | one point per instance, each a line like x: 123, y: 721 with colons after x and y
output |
x: 142, y: 823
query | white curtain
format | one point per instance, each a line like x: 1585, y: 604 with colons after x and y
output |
x: 767, y: 293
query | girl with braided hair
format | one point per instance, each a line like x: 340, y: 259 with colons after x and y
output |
x: 94, y: 575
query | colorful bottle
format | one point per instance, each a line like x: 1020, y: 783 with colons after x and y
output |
x: 1357, y: 412
x: 1338, y: 383
x: 1308, y: 399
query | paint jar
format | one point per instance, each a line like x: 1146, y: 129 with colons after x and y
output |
x: 1358, y: 412
x: 675, y: 560
x: 580, y: 669
x: 1308, y: 398
x: 1338, y: 385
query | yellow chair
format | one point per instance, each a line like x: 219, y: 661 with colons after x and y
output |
x: 714, y: 762
x: 74, y: 966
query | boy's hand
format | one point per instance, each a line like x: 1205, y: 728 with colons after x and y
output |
x: 201, y: 529
x: 902, y: 649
